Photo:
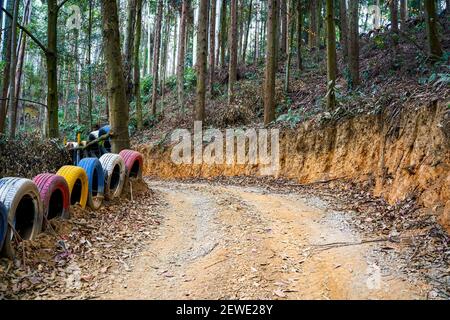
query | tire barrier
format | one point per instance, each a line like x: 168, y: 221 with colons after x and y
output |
x: 3, y: 224
x: 55, y: 195
x: 96, y: 181
x: 134, y: 163
x: 114, y: 170
x: 23, y: 205
x: 77, y: 181
x: 107, y: 143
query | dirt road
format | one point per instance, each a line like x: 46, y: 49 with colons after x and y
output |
x: 227, y: 242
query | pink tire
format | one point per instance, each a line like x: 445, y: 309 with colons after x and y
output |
x: 134, y: 163
x: 55, y: 195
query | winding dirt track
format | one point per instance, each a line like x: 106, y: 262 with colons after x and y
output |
x: 226, y: 242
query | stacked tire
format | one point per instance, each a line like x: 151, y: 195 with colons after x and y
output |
x: 24, y: 210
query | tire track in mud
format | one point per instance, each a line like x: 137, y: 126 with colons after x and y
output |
x: 229, y: 242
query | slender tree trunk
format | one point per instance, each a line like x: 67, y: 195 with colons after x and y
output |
x: 89, y: 84
x: 247, y: 31
x: 212, y: 45
x: 232, y: 70
x: 393, y: 7
x: 284, y: 27
x: 313, y: 23
x: 353, y: 48
x: 52, y: 69
x: 117, y: 98
x: 78, y: 67
x: 164, y: 55
x: 299, y: 34
x: 12, y: 84
x: 291, y: 24
x: 271, y: 62
x: 202, y: 49
x: 175, y: 43
x: 403, y: 13
x: 223, y: 32
x: 1, y: 21
x: 344, y: 28
x: 129, y: 47
x: 137, y: 78
x: 434, y: 45
x: 6, y: 70
x: 331, y: 56
x: 256, y: 44
x: 156, y: 49
x: 181, y: 55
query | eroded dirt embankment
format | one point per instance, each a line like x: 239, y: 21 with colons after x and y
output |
x: 397, y: 154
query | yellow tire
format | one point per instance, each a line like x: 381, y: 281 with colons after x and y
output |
x: 78, y: 183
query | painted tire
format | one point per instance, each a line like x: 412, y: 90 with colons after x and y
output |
x: 134, y: 163
x: 55, y: 195
x: 23, y: 205
x: 96, y: 179
x: 77, y: 181
x: 3, y: 224
x: 114, y: 170
x: 107, y: 143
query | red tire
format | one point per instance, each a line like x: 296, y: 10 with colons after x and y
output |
x: 55, y: 195
x: 134, y: 163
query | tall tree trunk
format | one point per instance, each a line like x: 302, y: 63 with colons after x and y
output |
x: 256, y: 40
x: 175, y: 43
x: 164, y: 55
x: 344, y: 39
x: 6, y: 56
x: 291, y: 24
x: 12, y: 84
x: 78, y: 68
x: 353, y: 48
x: 393, y: 7
x: 89, y: 84
x: 52, y: 69
x: 137, y: 78
x: 181, y: 54
x: 223, y: 32
x: 284, y: 27
x: 434, y: 44
x: 212, y: 45
x: 331, y: 56
x: 403, y: 13
x: 117, y: 98
x: 129, y: 47
x: 247, y: 31
x: 232, y: 70
x: 313, y: 25
x: 202, y: 49
x: 299, y: 34
x: 271, y: 62
x: 156, y: 49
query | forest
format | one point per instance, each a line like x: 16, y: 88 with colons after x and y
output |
x: 355, y: 96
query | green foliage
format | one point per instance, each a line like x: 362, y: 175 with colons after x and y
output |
x: 190, y: 78
x: 290, y: 117
x: 379, y: 41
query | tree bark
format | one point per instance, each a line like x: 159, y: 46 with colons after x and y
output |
x: 344, y: 39
x: 353, y: 48
x: 313, y: 25
x: 117, y: 99
x: 331, y: 56
x: 6, y: 70
x: 299, y: 35
x: 181, y: 54
x: 89, y: 84
x: 232, y: 70
x: 247, y: 31
x: 129, y: 47
x: 223, y: 32
x: 212, y: 45
x: 156, y: 50
x: 202, y: 49
x: 434, y: 45
x: 137, y: 78
x: 291, y: 24
x: 52, y: 68
x: 12, y: 84
x: 403, y: 13
x: 284, y: 27
x: 393, y: 8
x: 271, y: 62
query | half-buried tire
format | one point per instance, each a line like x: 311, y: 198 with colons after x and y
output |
x: 134, y: 162
x: 23, y: 205
x: 96, y: 178
x: 77, y: 181
x: 55, y: 195
x: 114, y: 170
x: 3, y: 224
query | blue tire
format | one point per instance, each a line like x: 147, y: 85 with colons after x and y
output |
x: 107, y: 143
x: 3, y: 224
x: 96, y: 178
